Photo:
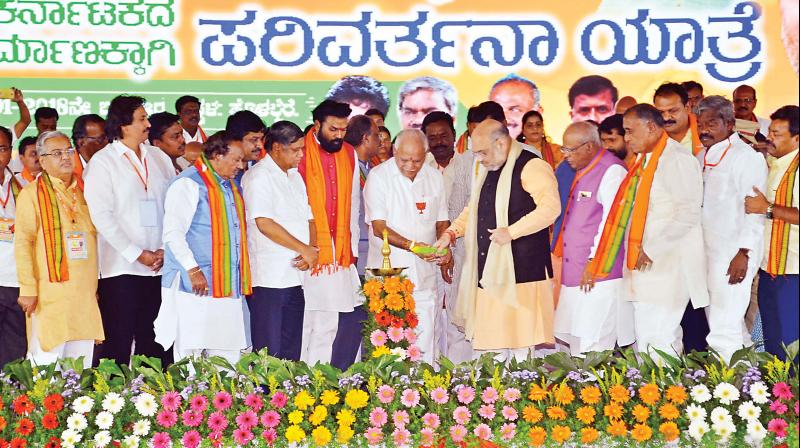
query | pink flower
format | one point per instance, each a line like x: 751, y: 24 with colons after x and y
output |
x: 409, y: 398
x: 222, y: 401
x: 782, y: 391
x: 797, y: 408
x: 511, y: 394
x: 457, y: 433
x: 489, y: 395
x: 191, y: 439
x: 396, y: 334
x: 426, y: 436
x: 414, y: 353
x: 439, y: 395
x: 509, y: 413
x: 401, y: 436
x: 385, y: 394
x: 778, y: 426
x: 466, y: 394
x: 279, y: 400
x: 411, y: 335
x: 171, y: 401
x: 242, y: 436
x: 400, y: 419
x: 483, y: 431
x: 217, y: 422
x: 378, y: 417
x: 192, y: 418
x: 166, y: 418
x: 778, y: 407
x: 486, y: 411
x: 508, y: 431
x: 270, y: 419
x: 254, y: 402
x: 378, y: 338
x: 431, y: 420
x: 461, y: 415
x: 161, y: 440
x: 199, y: 403
x: 373, y: 435
x: 247, y: 420
x: 269, y: 435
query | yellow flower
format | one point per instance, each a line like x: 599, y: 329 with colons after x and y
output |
x: 345, y: 417
x: 649, y: 394
x: 372, y: 288
x: 676, y: 394
x: 668, y: 411
x: 394, y: 302
x: 619, y: 393
x: 561, y: 433
x: 376, y: 304
x: 617, y: 428
x: 322, y: 436
x: 410, y: 304
x: 344, y: 434
x: 640, y: 413
x: 531, y: 415
x: 408, y: 286
x: 589, y: 435
x: 641, y: 433
x: 356, y: 399
x: 329, y: 397
x: 585, y: 414
x: 556, y: 413
x: 294, y: 434
x: 537, y: 393
x: 613, y: 411
x: 303, y: 400
x: 392, y: 285
x: 319, y: 414
x: 670, y: 431
x: 563, y: 394
x: 380, y: 351
x: 295, y: 417
x: 538, y: 435
x: 590, y: 395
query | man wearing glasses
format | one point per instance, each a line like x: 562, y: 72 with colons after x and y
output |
x: 747, y: 123
x: 88, y: 136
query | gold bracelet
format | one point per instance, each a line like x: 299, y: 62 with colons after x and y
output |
x: 411, y: 245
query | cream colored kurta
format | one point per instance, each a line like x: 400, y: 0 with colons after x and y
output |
x: 66, y: 311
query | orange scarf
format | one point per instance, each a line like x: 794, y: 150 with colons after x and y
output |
x: 78, y: 170
x: 779, y: 241
x: 697, y: 146
x: 50, y: 219
x: 26, y: 174
x: 461, y: 144
x: 547, y: 154
x: 315, y: 185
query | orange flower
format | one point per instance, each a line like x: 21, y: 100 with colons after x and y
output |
x: 392, y: 285
x: 556, y: 413
x: 589, y: 435
x: 619, y: 393
x: 373, y: 288
x: 561, y: 433
x: 640, y: 413
x: 537, y: 393
x: 376, y: 304
x: 394, y: 302
x: 2, y: 423
x: 676, y: 394
x: 670, y: 431
x: 585, y: 414
x: 641, y: 433
x: 668, y: 411
x: 410, y: 304
x: 531, y: 415
x: 563, y: 394
x: 408, y: 286
x: 649, y: 394
x: 538, y: 435
x: 617, y: 428
x: 590, y: 395
x: 613, y: 411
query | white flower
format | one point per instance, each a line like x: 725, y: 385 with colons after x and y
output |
x: 82, y: 405
x: 141, y: 427
x: 104, y: 420
x: 759, y: 393
x: 700, y: 393
x: 697, y: 429
x: 113, y: 402
x: 720, y: 416
x: 695, y: 412
x: 756, y: 431
x: 70, y: 438
x: 146, y: 405
x: 726, y: 393
x: 748, y: 411
x: 130, y: 441
x: 102, y: 439
x: 399, y: 351
x: 724, y: 430
x: 77, y: 422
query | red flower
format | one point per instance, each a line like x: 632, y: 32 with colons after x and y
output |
x: 3, y: 443
x: 383, y: 319
x: 54, y: 402
x: 25, y: 426
x: 2, y: 427
x: 397, y: 322
x: 23, y: 406
x: 411, y: 319
x: 18, y: 443
x: 50, y: 421
x: 54, y: 442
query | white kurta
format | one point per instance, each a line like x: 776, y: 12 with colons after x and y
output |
x: 8, y: 268
x: 729, y: 177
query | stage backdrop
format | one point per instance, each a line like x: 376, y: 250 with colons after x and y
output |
x: 280, y: 57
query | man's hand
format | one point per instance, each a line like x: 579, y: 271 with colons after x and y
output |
x: 587, y: 280
x: 762, y: 147
x: 500, y: 235
x: 307, y: 258
x: 738, y: 267
x: 151, y: 259
x: 18, y: 97
x: 28, y: 304
x: 756, y: 204
x: 159, y: 260
x: 426, y: 257
x: 643, y: 263
x: 444, y: 241
x: 199, y: 282
x: 447, y: 270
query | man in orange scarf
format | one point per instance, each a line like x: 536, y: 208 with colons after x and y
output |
x: 331, y: 175
x: 672, y: 100
x: 665, y: 244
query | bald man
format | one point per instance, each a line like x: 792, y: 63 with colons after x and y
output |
x: 744, y: 105
x: 625, y: 103
x: 505, y: 296
x: 591, y: 315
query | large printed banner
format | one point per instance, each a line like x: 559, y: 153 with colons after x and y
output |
x: 281, y: 57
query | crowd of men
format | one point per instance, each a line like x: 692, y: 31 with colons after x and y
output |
x: 667, y: 225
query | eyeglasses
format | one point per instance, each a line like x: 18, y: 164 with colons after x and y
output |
x: 567, y: 150
x: 744, y: 100
x: 60, y: 153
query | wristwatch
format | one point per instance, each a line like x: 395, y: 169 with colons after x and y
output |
x: 770, y: 208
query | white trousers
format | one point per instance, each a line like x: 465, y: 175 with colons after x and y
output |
x: 429, y: 311
x: 659, y: 326
x: 726, y: 310
x: 319, y: 331
x: 69, y: 349
x: 232, y: 356
x: 457, y: 348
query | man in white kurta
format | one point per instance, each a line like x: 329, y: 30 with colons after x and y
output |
x: 407, y: 197
x: 733, y: 239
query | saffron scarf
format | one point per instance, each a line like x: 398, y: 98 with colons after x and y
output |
x: 221, y: 245
x: 779, y: 241
x: 26, y: 174
x: 315, y: 185
x: 461, y: 144
x: 630, y: 206
x: 547, y: 154
x: 697, y: 146
x: 50, y: 218
x: 16, y: 187
x: 78, y: 170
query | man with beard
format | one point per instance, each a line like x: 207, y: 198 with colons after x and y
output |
x: 747, y: 123
x: 733, y: 239
x: 331, y: 175
x: 612, y: 135
x: 248, y: 129
x: 680, y: 123
x: 188, y: 109
x: 88, y: 136
x: 167, y: 135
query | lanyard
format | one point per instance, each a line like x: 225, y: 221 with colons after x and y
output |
x: 8, y: 194
x: 712, y: 165
x: 138, y: 173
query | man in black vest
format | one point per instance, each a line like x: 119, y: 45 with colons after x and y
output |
x: 505, y: 300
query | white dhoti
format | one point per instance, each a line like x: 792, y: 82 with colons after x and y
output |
x: 658, y: 326
x: 68, y: 349
x: 456, y: 347
x: 429, y: 311
x: 727, y: 308
x: 319, y: 331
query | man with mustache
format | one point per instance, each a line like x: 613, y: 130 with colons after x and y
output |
x: 733, y: 239
x: 248, y: 129
x: 331, y: 175
x: 744, y: 105
x: 188, y: 109
x: 680, y: 123
x: 166, y: 134
x: 88, y: 136
x: 695, y: 91
x: 612, y: 134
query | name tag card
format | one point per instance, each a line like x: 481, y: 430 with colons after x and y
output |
x: 148, y: 213
x: 6, y: 230
x: 76, y: 246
